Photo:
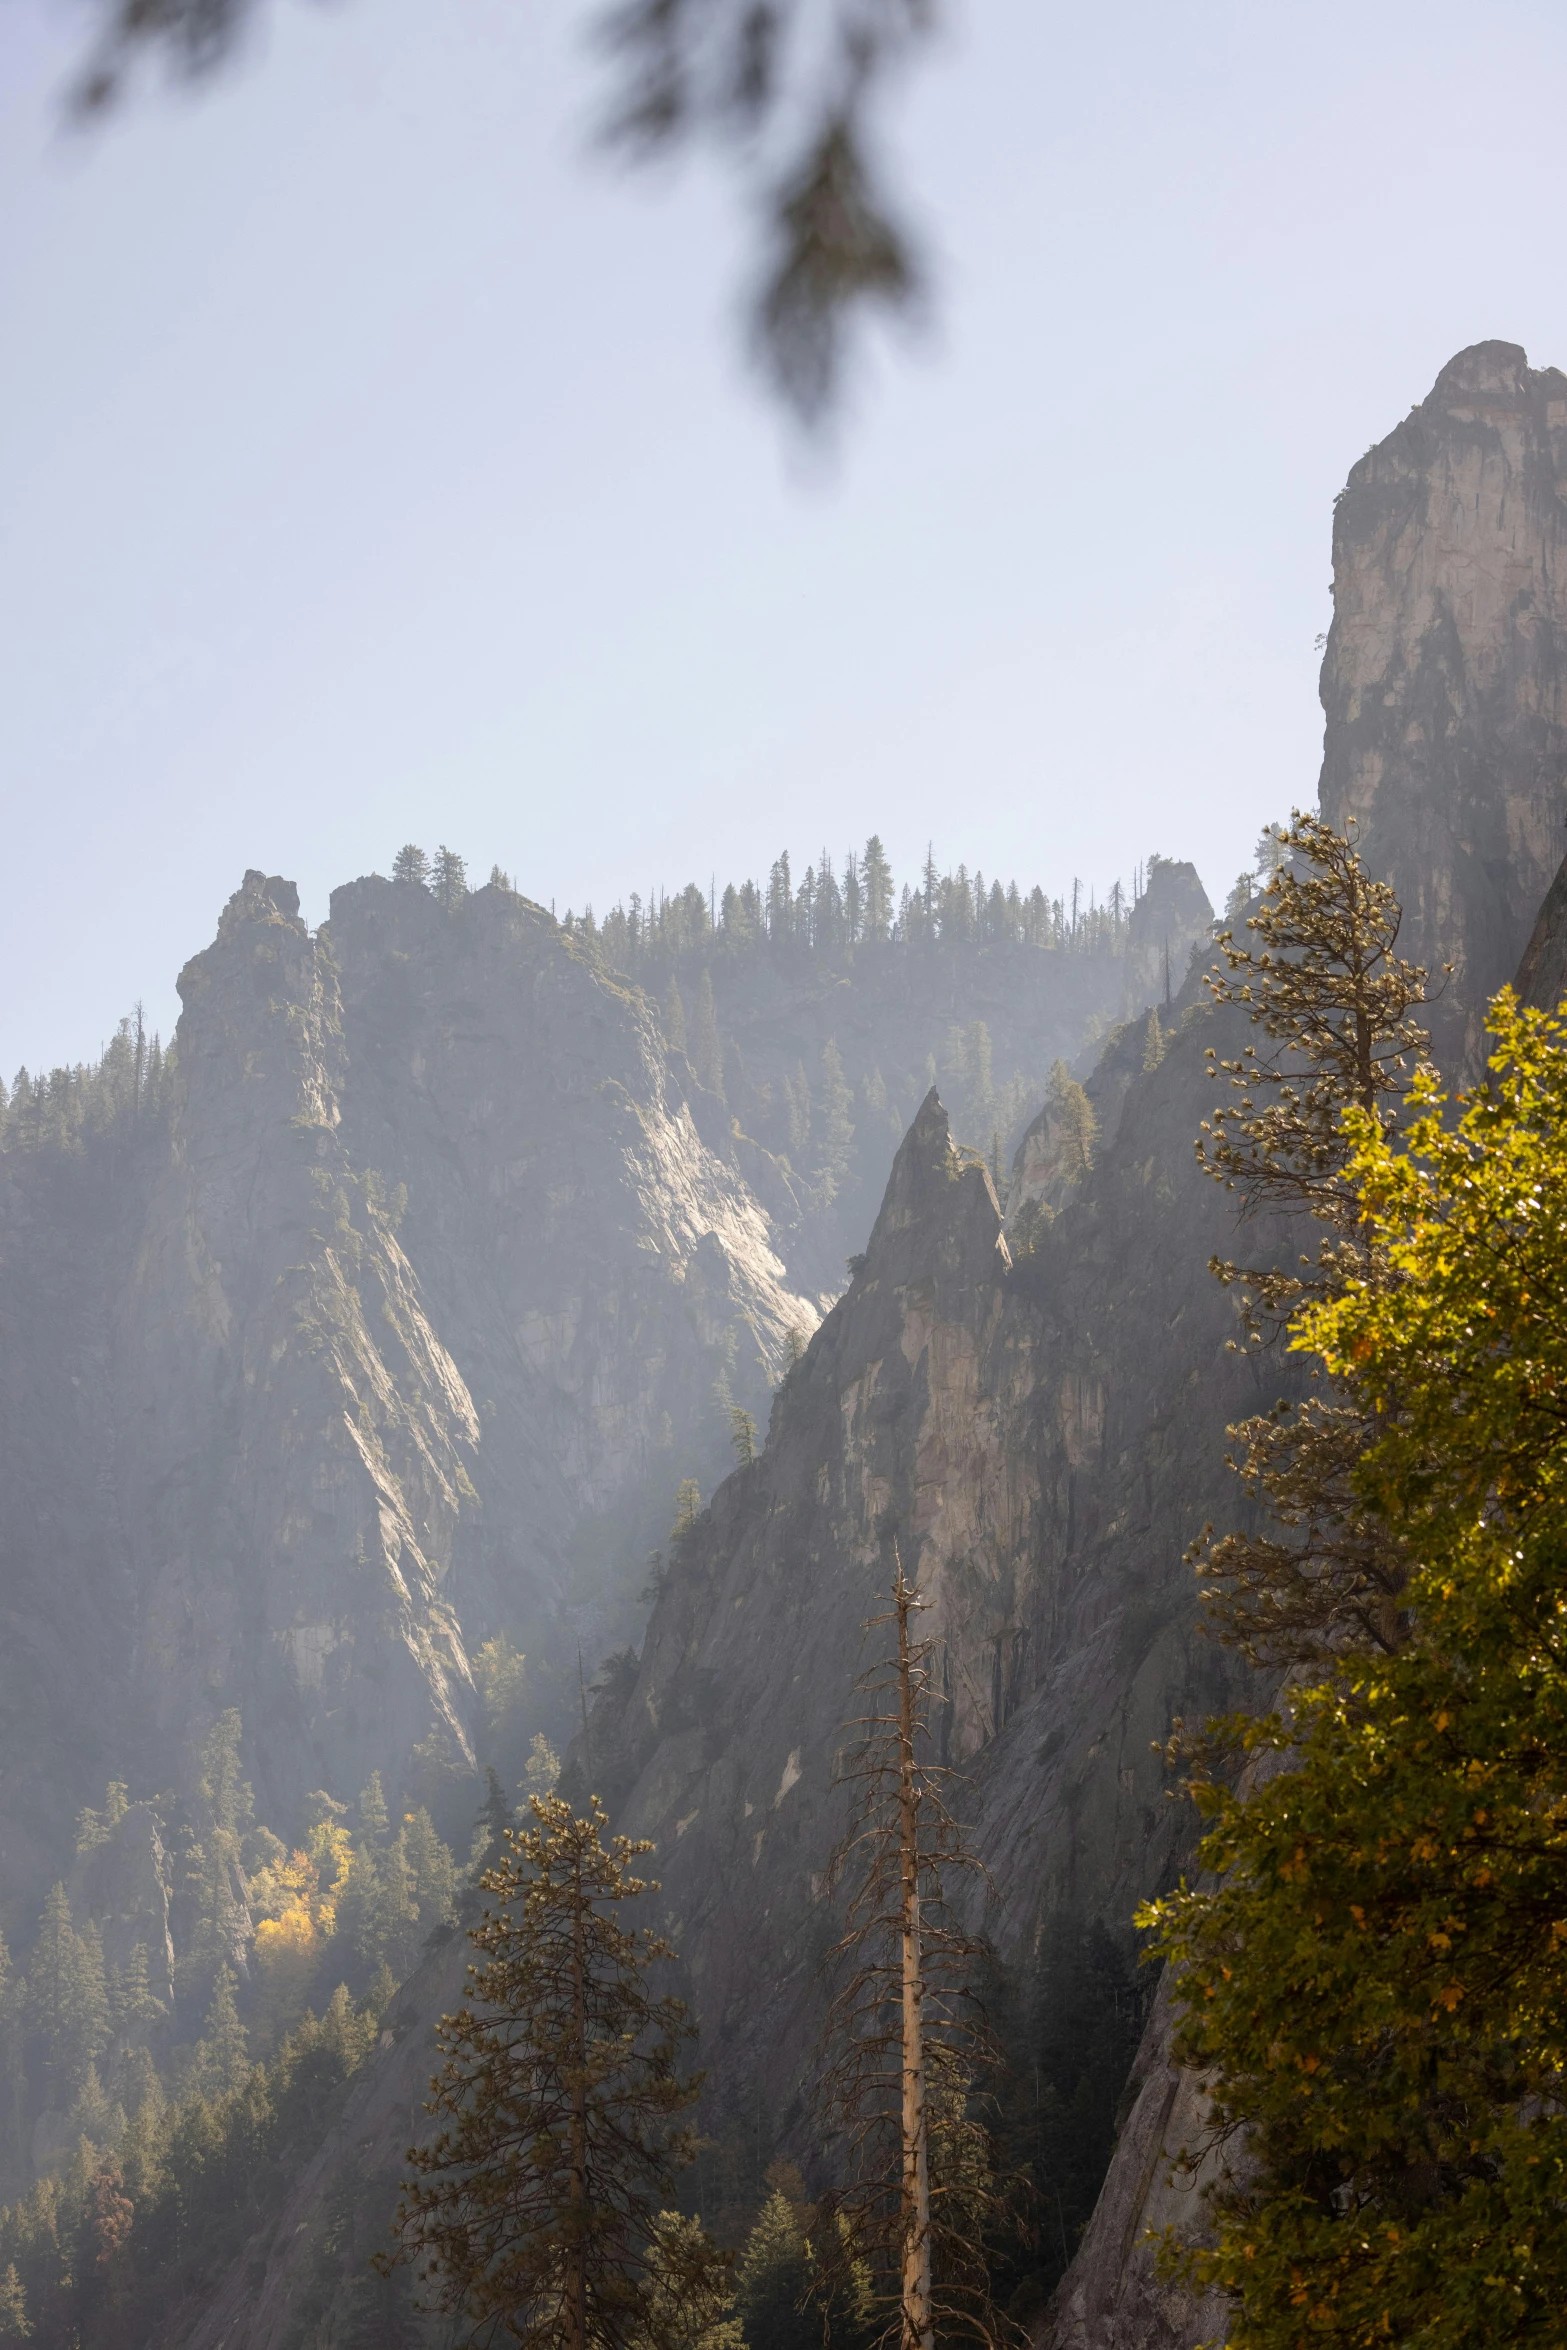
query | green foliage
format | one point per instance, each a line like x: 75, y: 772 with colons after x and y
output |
x: 537, y: 2203
x: 690, y: 2299
x: 411, y: 865
x: 834, y: 1103
x: 1377, y: 1983
x: 13, y: 2306
x: 836, y: 908
x: 449, y: 880
x: 798, y: 2285
x: 543, y: 1768
x: 223, y: 2051
x: 377, y: 1913
x: 706, y: 1054
x: 133, y: 2004
x: 1027, y: 1228
x: 67, y: 2002
x: 742, y: 1435
x: 374, y: 1819
x: 774, y: 2276
x: 432, y: 1872
x: 96, y: 1108
x: 688, y: 1508
x: 103, y: 2250
x: 1069, y: 2031
x: 96, y: 1827
x: 1073, y: 1122
x: 498, y: 1672
x: 226, y: 1808
x: 1333, y: 1005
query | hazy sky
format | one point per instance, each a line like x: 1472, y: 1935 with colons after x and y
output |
x: 374, y: 464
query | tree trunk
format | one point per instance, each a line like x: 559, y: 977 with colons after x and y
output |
x: 917, y: 2331
x: 575, y: 2331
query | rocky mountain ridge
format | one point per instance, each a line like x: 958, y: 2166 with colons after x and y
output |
x: 409, y: 1279
x: 316, y: 1474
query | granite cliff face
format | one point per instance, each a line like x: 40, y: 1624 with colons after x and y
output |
x: 1445, y: 680
x: 443, y: 1268
x: 418, y: 1292
x: 1045, y: 1438
x: 1445, y: 695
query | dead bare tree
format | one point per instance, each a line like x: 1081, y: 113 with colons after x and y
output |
x: 905, y: 2038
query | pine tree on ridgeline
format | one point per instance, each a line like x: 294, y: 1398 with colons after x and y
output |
x: 449, y: 880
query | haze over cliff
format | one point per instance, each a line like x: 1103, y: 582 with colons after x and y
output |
x: 385, y: 1323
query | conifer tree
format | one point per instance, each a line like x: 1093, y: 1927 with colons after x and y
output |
x: 853, y: 899
x: 449, y: 880
x: 377, y: 1914
x: 797, y: 1091
x: 493, y: 1825
x: 14, y: 2326
x: 1373, y: 1980
x: 374, y: 1819
x: 226, y: 1810
x: 688, y: 1508
x: 500, y: 1671
x: 876, y: 883
x: 133, y: 2004
x: 1072, y: 1118
x: 674, y: 1018
x: 834, y: 1125
x: 535, y: 2210
x: 1334, y: 1006
x: 543, y: 1767
x: 903, y: 2039
x: 67, y: 1999
x: 774, y: 2275
x: 411, y: 864
x: 432, y: 1871
x: 706, y: 1056
x: 222, y: 2053
x: 742, y: 1435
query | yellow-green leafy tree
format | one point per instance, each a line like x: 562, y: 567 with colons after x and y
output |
x: 1376, y: 1984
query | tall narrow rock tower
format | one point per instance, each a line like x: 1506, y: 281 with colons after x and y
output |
x: 1445, y: 682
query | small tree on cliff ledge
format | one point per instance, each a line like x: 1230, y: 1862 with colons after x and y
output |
x: 535, y: 2211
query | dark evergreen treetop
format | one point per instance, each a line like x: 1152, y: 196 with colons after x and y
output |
x: 835, y: 909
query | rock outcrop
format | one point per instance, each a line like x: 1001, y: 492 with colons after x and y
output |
x: 428, y: 1281
x: 1445, y: 693
x: 1044, y: 1438
x: 1171, y: 920
x: 1445, y: 679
